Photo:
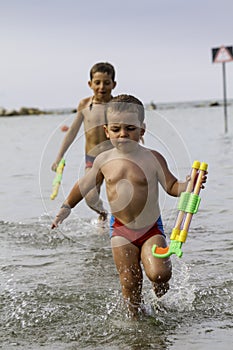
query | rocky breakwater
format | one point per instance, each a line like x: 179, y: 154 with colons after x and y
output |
x: 22, y: 111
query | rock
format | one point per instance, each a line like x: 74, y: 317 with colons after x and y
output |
x: 214, y: 104
x: 2, y: 111
x: 10, y: 113
x: 30, y: 111
x: 22, y: 111
x: 152, y: 106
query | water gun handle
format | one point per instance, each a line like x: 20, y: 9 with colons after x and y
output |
x: 196, y: 191
x: 57, y: 179
x: 188, y: 205
x: 189, y: 189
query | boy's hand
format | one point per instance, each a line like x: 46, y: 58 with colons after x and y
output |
x: 63, y: 213
x: 204, y: 179
x: 54, y: 166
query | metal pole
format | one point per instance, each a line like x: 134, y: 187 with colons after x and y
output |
x: 224, y: 96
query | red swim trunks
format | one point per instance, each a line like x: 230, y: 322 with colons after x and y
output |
x: 137, y: 237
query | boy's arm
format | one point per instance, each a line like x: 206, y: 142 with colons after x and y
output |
x: 178, y: 187
x: 168, y: 181
x: 69, y: 138
x: 74, y: 197
x: 78, y: 192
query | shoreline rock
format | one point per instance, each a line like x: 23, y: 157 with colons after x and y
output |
x: 31, y: 111
x: 22, y: 111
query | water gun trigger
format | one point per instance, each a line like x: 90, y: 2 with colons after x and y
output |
x: 159, y: 250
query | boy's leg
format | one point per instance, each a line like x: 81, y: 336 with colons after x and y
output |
x: 94, y: 202
x: 158, y: 270
x: 127, y: 260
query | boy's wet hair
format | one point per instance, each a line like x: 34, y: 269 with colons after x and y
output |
x: 127, y: 103
x: 103, y: 67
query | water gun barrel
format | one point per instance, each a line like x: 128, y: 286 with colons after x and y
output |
x: 189, y: 189
x: 188, y: 205
x: 57, y: 179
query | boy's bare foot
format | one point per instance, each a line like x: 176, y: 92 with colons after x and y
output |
x: 160, y: 288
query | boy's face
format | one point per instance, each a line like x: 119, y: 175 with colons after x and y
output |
x: 124, y: 129
x: 102, y: 86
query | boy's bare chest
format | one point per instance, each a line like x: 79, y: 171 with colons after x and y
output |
x: 118, y: 170
x: 94, y: 117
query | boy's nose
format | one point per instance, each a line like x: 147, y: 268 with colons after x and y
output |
x: 123, y: 132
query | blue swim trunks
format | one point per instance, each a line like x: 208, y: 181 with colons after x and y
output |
x: 89, y: 161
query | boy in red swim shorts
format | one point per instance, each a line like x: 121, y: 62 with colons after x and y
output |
x: 132, y: 175
x: 137, y: 237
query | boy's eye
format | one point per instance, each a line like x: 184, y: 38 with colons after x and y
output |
x: 131, y: 128
x: 115, y: 129
x: 98, y: 82
x: 128, y: 128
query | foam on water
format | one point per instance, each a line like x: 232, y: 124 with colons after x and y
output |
x: 56, y: 290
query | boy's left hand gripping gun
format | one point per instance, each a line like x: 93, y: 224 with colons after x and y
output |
x: 58, y: 178
x: 187, y: 206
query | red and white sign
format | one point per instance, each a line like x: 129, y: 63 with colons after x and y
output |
x: 222, y: 54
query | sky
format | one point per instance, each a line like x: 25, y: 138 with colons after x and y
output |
x: 161, y: 49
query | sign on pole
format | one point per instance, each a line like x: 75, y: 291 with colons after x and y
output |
x: 222, y: 55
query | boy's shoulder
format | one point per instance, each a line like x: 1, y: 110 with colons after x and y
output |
x: 160, y: 158
x: 157, y: 155
x: 104, y: 157
x: 84, y: 103
x: 106, y: 154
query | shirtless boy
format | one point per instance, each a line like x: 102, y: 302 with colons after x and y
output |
x: 132, y: 174
x: 90, y: 112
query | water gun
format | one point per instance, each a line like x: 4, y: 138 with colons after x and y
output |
x: 188, y: 205
x: 58, y: 178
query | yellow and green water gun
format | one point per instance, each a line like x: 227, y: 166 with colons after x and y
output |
x: 188, y: 205
x: 58, y: 178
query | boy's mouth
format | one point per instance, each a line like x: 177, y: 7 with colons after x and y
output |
x: 123, y: 141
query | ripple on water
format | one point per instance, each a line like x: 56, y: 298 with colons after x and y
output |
x: 57, y: 293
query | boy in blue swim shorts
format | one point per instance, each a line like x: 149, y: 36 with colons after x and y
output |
x: 132, y: 174
x: 90, y: 113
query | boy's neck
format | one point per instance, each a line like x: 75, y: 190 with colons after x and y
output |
x: 97, y: 101
x: 94, y: 100
x: 134, y: 151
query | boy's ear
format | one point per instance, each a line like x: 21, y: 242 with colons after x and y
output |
x: 142, y: 132
x: 114, y: 84
x: 106, y: 131
x: 143, y: 129
x: 89, y: 83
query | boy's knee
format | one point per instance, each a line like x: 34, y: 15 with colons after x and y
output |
x: 160, y: 275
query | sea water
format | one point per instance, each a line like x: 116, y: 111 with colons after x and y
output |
x: 60, y: 290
